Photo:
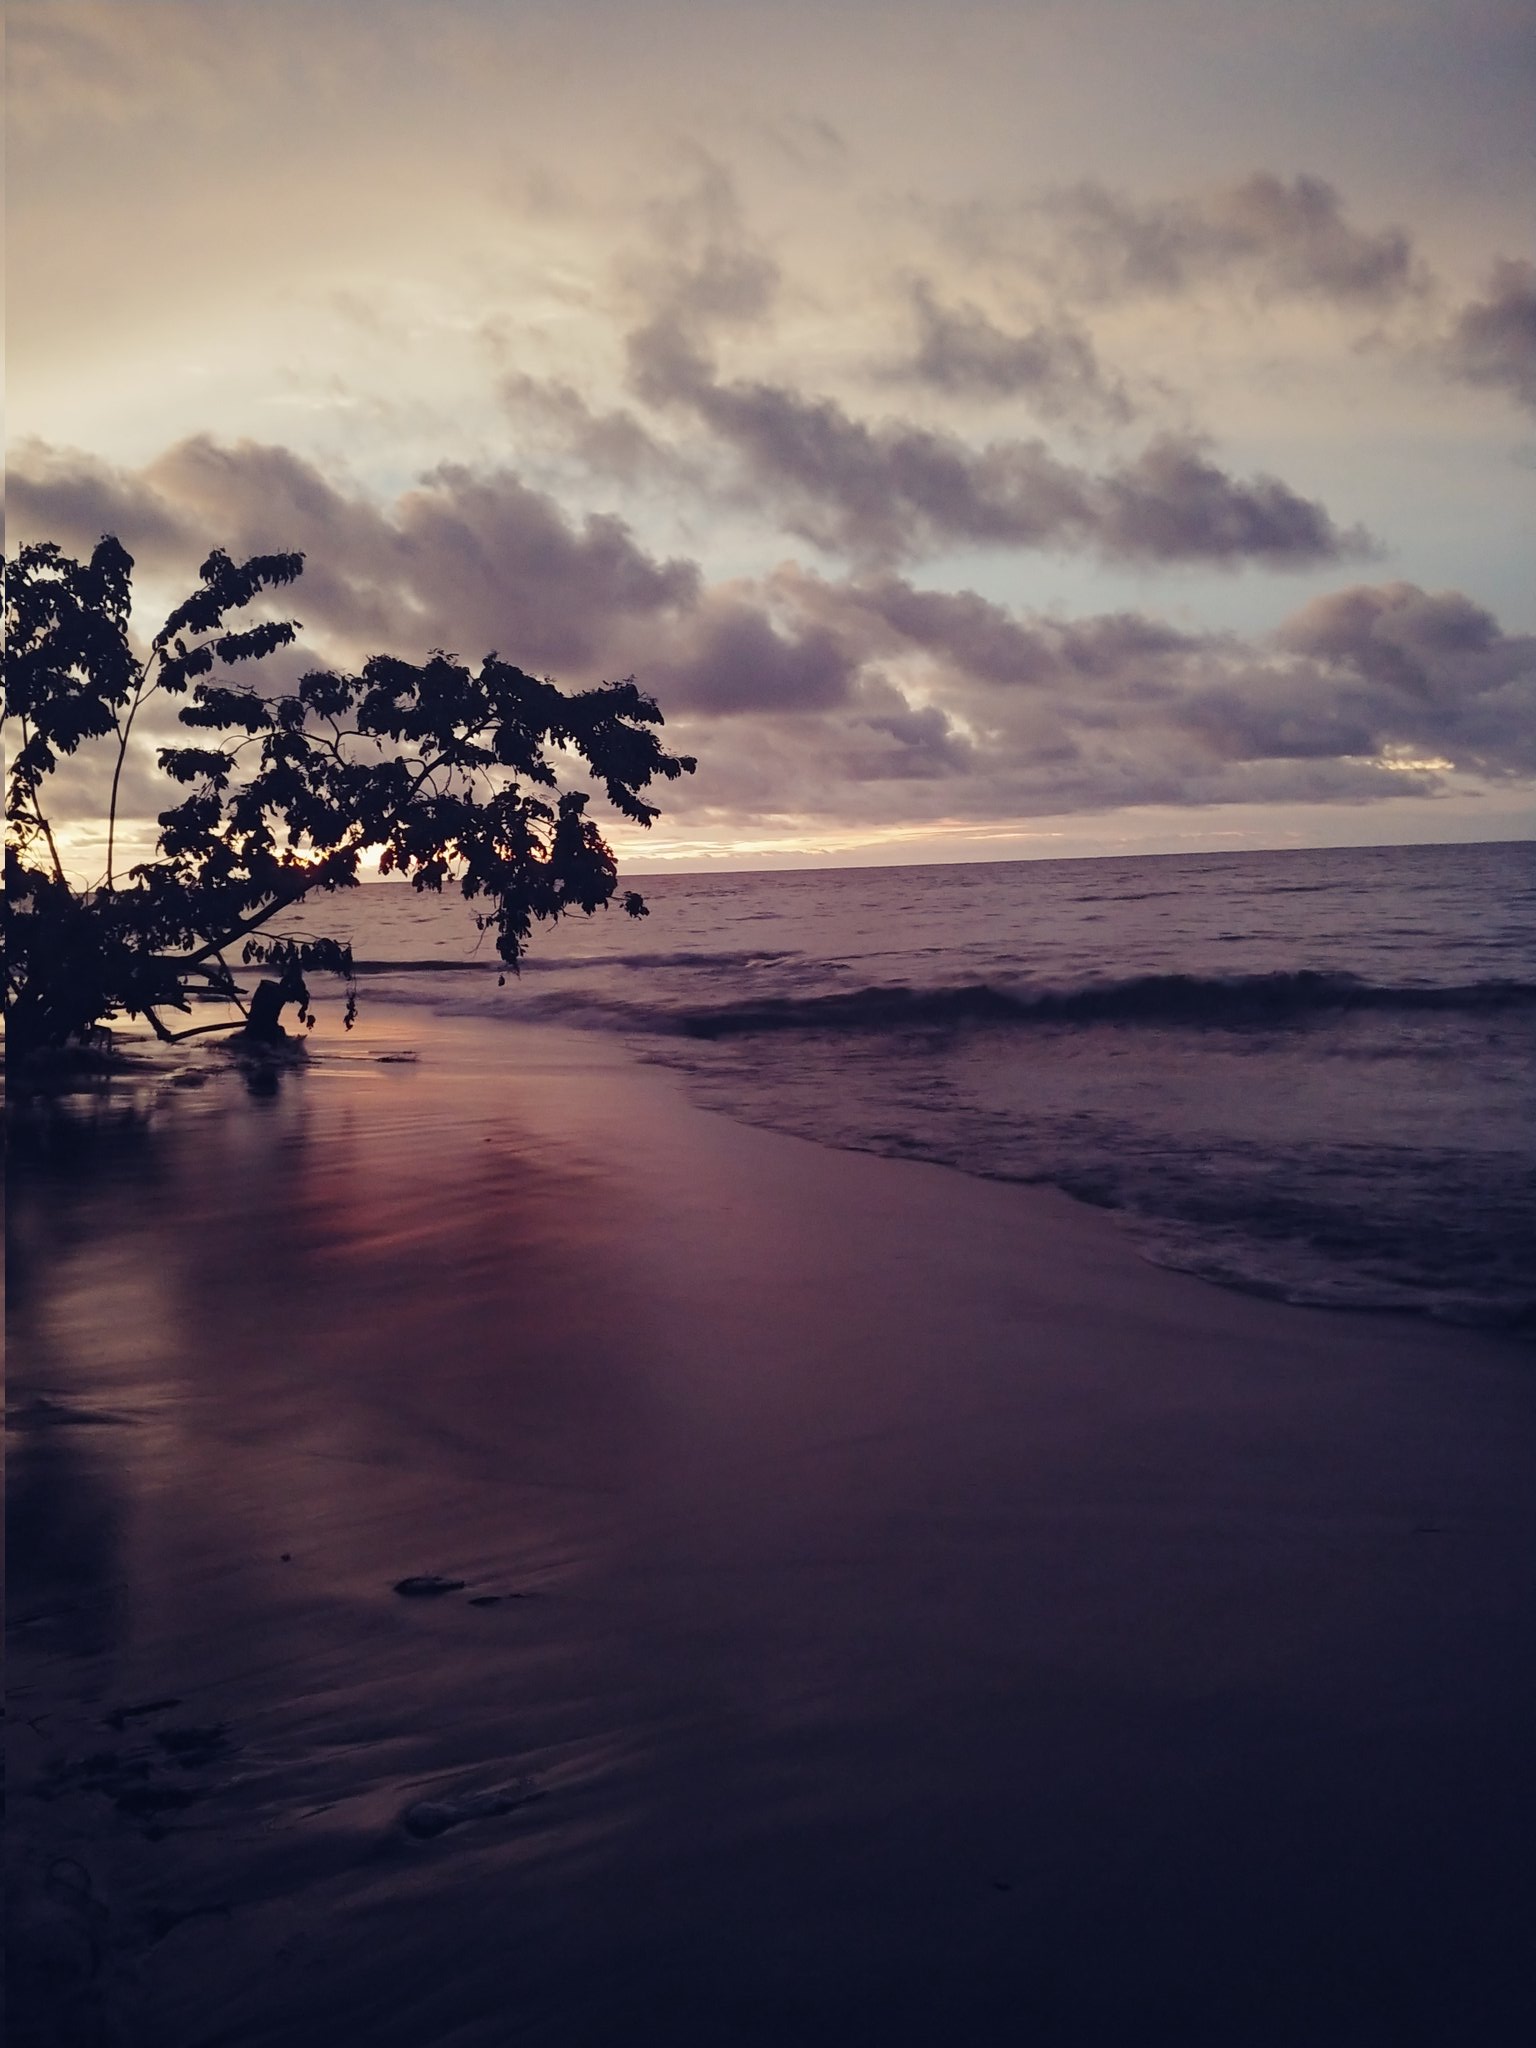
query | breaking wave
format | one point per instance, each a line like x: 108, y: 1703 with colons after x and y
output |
x: 536, y: 963
x: 1303, y: 1075
x: 1231, y: 1002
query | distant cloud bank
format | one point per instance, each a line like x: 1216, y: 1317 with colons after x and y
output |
x: 861, y: 694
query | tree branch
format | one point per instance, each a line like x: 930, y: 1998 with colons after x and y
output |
x: 202, y: 1030
x: 37, y: 812
x: 122, y: 752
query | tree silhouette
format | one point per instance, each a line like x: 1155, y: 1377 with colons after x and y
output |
x: 441, y: 771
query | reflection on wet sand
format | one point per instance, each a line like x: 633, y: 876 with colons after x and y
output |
x: 263, y: 1363
x: 507, y: 1556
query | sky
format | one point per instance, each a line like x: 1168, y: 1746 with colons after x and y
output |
x: 989, y: 431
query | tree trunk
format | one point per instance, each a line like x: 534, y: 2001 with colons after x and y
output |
x: 262, y: 1024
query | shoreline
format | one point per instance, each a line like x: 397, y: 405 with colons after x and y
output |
x: 913, y: 1609
x: 151, y: 1070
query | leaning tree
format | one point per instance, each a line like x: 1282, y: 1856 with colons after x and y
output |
x: 441, y: 772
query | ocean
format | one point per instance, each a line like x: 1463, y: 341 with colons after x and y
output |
x: 1307, y: 1074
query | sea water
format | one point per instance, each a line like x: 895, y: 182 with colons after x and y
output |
x: 1307, y: 1074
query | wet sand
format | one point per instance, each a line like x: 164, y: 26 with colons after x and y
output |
x: 891, y: 1612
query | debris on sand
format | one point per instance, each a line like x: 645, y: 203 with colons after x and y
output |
x: 193, y: 1748
x: 428, y: 1818
x: 427, y: 1586
x: 148, y: 1802
x: 121, y: 1716
x: 164, y: 1920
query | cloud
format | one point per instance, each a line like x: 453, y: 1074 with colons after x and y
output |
x: 1275, y: 238
x: 62, y: 495
x: 1493, y: 341
x: 711, y: 271
x: 467, y: 560
x: 906, y: 742
x: 611, y: 443
x: 1382, y: 688
x: 890, y: 491
x: 102, y: 64
x: 732, y: 658
x: 1430, y: 670
x: 1396, y: 633
x: 860, y: 700
x: 968, y: 633
x: 961, y: 352
x: 1173, y: 505
x: 1284, y: 238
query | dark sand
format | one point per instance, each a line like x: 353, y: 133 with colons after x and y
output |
x: 921, y: 1621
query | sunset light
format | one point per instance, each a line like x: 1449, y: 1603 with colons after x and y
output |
x: 770, y: 1002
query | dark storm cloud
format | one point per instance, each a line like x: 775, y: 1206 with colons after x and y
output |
x: 1053, y: 366
x: 890, y: 491
x: 1285, y: 237
x: 1493, y: 342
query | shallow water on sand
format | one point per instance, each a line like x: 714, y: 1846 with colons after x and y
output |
x: 1306, y: 1074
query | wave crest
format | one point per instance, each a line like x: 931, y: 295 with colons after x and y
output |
x: 1229, y: 1002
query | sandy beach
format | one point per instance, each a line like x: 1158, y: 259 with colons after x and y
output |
x: 880, y: 1608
